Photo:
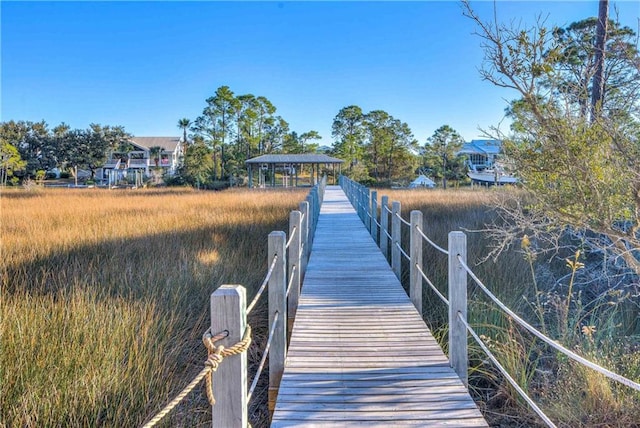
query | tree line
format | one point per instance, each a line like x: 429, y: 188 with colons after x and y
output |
x: 29, y: 149
x: 232, y: 129
x: 379, y: 148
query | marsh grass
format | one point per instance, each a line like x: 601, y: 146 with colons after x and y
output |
x: 105, y: 295
x: 597, y: 328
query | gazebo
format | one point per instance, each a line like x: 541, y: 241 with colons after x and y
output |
x: 289, y: 165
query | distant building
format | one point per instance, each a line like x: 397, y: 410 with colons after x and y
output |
x: 143, y: 158
x: 481, y: 154
x: 484, y: 166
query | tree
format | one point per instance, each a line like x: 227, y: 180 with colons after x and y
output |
x: 440, y: 153
x: 10, y: 161
x: 598, y: 78
x: 378, y: 125
x: 400, y: 156
x: 582, y: 175
x: 310, y: 135
x: 348, y: 130
x: 184, y: 124
x: 197, y: 167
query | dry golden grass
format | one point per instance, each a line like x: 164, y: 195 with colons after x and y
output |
x: 104, y: 296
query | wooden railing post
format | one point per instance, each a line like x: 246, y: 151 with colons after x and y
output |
x: 367, y: 209
x: 458, y: 304
x: 415, y: 287
x: 229, y: 313
x: 294, y: 266
x: 396, y: 239
x: 384, y: 226
x: 277, y: 305
x: 374, y: 216
x: 304, y: 235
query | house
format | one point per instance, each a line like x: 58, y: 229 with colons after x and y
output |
x: 481, y: 154
x: 146, y: 155
x: 483, y: 163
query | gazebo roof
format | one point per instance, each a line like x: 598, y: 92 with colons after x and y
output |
x: 294, y: 158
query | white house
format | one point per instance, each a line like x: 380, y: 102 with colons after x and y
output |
x: 481, y: 154
x: 483, y: 163
x: 147, y: 153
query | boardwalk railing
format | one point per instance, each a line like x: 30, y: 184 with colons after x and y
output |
x: 385, y: 225
x: 229, y: 335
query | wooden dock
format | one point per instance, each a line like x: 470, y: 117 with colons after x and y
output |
x: 360, y: 354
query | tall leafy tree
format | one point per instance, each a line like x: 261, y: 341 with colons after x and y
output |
x: 581, y: 175
x: 400, y: 155
x: 197, y: 167
x: 265, y: 120
x: 440, y: 153
x: 10, y: 161
x: 307, y: 136
x: 348, y: 130
x: 378, y: 125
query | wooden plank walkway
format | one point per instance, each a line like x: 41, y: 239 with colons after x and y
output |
x: 360, y: 354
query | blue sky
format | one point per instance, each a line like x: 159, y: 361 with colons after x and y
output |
x: 145, y: 65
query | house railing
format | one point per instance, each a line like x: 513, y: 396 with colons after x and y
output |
x: 385, y: 224
x: 229, y: 335
x: 138, y: 163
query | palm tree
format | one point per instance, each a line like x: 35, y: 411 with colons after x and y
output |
x: 155, y: 153
x: 184, y: 124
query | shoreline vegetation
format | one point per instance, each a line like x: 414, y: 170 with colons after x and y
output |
x: 105, y: 296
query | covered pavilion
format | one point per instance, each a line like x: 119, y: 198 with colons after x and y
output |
x: 289, y: 165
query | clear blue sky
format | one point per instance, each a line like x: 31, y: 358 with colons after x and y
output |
x: 145, y: 65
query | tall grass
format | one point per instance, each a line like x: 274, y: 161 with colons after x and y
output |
x: 105, y: 294
x: 570, y: 394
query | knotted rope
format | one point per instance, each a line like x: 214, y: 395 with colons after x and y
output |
x: 215, y: 355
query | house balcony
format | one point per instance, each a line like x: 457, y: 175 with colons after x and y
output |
x: 139, y: 163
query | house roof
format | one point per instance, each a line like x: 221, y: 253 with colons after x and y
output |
x: 482, y: 147
x: 423, y: 180
x: 295, y: 158
x: 168, y: 144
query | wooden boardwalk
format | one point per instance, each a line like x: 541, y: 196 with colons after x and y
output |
x: 360, y: 354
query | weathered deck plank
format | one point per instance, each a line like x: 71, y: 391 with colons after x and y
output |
x: 360, y: 354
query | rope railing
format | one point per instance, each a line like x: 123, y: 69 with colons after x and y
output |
x: 403, y: 221
x: 558, y: 347
x: 291, y: 236
x: 291, y: 278
x: 267, y: 346
x: 406, y: 256
x: 433, y: 244
x: 433, y: 287
x: 263, y: 285
x: 505, y: 373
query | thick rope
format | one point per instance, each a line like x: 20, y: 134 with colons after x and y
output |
x: 433, y: 244
x: 215, y: 356
x: 402, y: 220
x: 264, y: 284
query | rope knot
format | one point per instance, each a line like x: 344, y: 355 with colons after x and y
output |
x: 214, y: 359
x: 215, y: 355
